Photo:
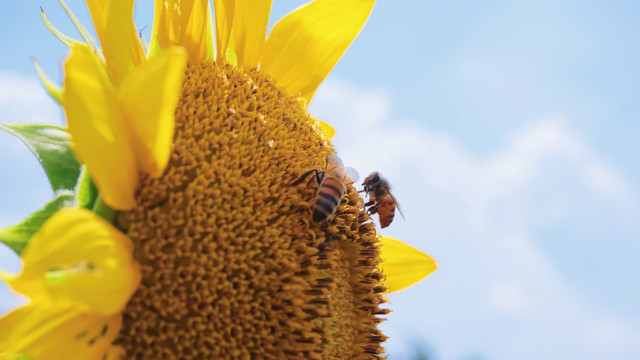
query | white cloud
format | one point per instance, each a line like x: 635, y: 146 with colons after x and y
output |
x: 366, y: 110
x: 24, y: 100
x: 498, y: 292
x: 611, y: 332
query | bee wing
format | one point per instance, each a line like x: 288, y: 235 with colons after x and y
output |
x: 333, y: 161
x: 350, y: 175
x: 334, y: 166
x: 395, y: 201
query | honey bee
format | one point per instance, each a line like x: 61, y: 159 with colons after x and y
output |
x: 381, y: 201
x: 333, y: 181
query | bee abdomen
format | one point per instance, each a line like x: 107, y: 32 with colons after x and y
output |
x: 387, y: 219
x: 329, y: 197
x: 386, y: 212
x: 324, y: 207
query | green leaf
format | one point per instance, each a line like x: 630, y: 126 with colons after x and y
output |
x: 50, y: 144
x: 17, y: 236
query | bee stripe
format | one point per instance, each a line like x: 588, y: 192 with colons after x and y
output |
x: 334, y: 185
x: 319, y: 216
x: 388, y: 216
x: 326, y: 206
x: 329, y: 198
x: 337, y: 191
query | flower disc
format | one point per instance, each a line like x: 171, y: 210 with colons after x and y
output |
x: 233, y: 265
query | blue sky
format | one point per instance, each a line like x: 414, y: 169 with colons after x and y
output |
x: 509, y: 132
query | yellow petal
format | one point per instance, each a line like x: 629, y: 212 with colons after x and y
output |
x: 403, y: 264
x: 149, y: 97
x: 231, y: 54
x: 78, y: 258
x: 224, y: 11
x: 185, y: 23
x: 328, y: 131
x: 305, y: 45
x: 98, y: 10
x: 42, y: 331
x: 97, y: 127
x: 114, y: 25
x: 250, y: 30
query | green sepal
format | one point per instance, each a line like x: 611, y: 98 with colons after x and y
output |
x: 154, y: 47
x: 17, y: 236
x: 86, y: 191
x: 55, y: 92
x: 50, y: 144
x: 103, y: 210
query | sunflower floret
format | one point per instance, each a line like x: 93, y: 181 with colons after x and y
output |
x: 229, y: 248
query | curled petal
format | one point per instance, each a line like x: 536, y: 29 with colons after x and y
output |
x: 97, y: 127
x: 149, y: 97
x: 305, y: 45
x: 79, y: 259
x: 41, y: 330
x: 403, y: 264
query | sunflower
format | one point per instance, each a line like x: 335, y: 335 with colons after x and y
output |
x: 183, y: 236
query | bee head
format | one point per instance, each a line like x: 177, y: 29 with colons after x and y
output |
x: 372, y: 180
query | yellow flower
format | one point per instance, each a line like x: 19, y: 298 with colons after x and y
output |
x: 79, y: 274
x: 128, y: 128
x: 201, y: 156
x: 119, y: 105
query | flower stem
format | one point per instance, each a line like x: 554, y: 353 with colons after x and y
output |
x: 103, y: 210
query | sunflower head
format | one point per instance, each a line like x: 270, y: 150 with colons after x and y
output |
x: 227, y: 245
x: 194, y: 148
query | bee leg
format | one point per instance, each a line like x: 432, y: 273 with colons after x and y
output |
x: 373, y: 210
x: 319, y: 176
x: 369, y: 203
